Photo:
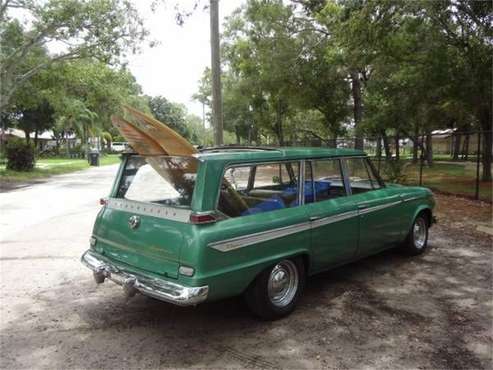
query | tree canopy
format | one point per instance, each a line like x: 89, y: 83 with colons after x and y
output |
x: 377, y: 68
x: 101, y: 29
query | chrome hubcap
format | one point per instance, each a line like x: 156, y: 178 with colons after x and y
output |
x: 419, y: 233
x: 283, y: 283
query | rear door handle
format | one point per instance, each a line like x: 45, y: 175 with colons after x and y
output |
x: 362, y: 206
x: 314, y: 218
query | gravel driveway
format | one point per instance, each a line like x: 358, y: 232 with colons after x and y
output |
x: 387, y: 311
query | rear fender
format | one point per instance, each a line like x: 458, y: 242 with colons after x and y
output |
x: 235, y: 280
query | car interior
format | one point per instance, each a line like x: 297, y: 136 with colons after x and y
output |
x: 253, y: 194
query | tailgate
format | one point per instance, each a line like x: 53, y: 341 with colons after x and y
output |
x: 152, y: 245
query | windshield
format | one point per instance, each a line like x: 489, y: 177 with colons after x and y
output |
x: 163, y: 180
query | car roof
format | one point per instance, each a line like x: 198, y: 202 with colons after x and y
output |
x: 242, y: 154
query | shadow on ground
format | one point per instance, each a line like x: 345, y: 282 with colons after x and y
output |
x: 387, y: 311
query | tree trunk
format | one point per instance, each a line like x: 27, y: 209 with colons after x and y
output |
x: 415, y: 148
x: 28, y: 136
x: 217, y: 102
x: 237, y: 133
x: 35, y: 139
x: 67, y: 146
x: 465, y: 149
x: 257, y: 136
x: 456, y: 150
x: 332, y: 142
x: 429, y: 149
x: 85, y: 140
x: 378, y: 152
x: 386, y: 146
x: 486, y: 156
x: 279, y: 130
x: 487, y: 139
x: 357, y: 108
x: 397, y: 152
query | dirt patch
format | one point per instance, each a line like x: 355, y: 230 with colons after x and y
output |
x: 462, y: 215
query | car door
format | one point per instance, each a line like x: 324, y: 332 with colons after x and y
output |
x: 378, y: 207
x: 333, y: 215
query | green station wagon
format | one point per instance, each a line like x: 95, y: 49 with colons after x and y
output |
x: 248, y: 220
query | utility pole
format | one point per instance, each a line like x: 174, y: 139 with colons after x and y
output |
x: 217, y: 111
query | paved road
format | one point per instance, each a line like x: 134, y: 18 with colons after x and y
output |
x: 387, y: 311
x: 65, y: 196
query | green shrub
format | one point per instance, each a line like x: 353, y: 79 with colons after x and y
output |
x: 394, y: 171
x: 20, y: 155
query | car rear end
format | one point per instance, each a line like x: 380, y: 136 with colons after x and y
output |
x: 144, y: 226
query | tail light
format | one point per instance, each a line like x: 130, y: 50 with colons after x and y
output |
x: 202, y: 218
x: 103, y: 201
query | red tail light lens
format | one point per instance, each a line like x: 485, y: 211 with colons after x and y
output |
x: 202, y: 218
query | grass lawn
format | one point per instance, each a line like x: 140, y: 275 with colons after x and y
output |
x: 52, y: 166
x: 455, y: 178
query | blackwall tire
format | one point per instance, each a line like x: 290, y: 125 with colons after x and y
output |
x: 276, y: 291
x: 417, y: 240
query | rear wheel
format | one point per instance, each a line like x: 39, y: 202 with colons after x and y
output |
x: 275, y: 292
x: 417, y: 239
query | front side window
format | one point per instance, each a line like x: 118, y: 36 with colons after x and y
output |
x: 361, y: 176
x: 323, y: 180
x: 247, y: 190
x: 162, y: 180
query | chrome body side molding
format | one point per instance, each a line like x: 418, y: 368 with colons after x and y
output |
x: 379, y: 207
x: 246, y: 240
x: 250, y: 239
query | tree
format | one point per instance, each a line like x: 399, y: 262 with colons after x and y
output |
x: 261, y: 51
x: 433, y: 60
x: 84, y: 95
x: 101, y: 29
x: 36, y: 119
x: 172, y: 114
x: 322, y: 82
x: 466, y: 28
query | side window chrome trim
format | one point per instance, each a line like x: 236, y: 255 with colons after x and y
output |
x: 301, y: 183
x: 345, y: 172
x: 374, y: 172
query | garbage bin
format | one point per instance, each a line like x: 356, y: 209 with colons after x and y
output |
x: 94, y: 158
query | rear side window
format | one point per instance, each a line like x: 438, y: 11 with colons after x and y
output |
x: 162, y: 180
x: 247, y: 190
x: 361, y: 176
x: 323, y: 180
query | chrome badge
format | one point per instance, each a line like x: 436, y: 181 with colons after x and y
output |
x: 134, y: 222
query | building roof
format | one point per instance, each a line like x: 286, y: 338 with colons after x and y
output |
x: 45, y: 135
x: 242, y: 154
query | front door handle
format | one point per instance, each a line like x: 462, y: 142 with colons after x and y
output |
x: 362, y: 206
x: 315, y: 218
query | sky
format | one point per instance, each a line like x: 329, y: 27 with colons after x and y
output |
x: 174, y: 67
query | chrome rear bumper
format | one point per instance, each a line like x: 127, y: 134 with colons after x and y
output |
x: 153, y: 287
